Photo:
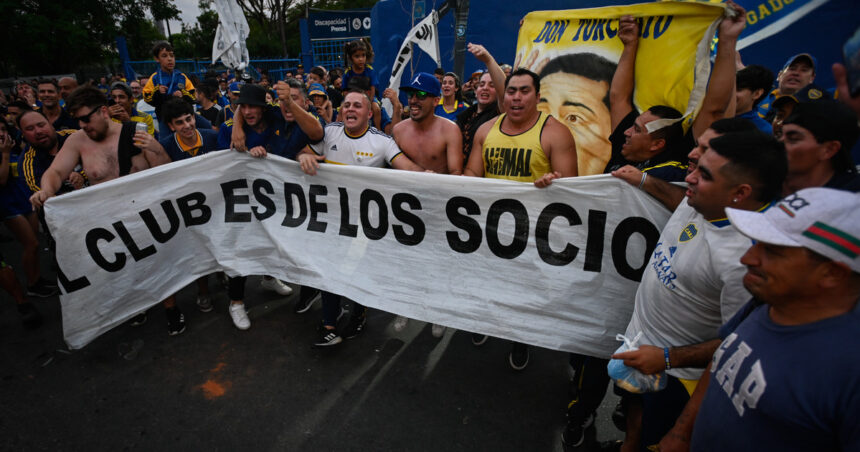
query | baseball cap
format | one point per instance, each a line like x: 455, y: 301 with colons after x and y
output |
x: 827, y: 120
x: 424, y: 82
x: 809, y: 93
x: 251, y: 94
x: 315, y: 89
x: 235, y: 87
x: 823, y: 220
x: 801, y: 56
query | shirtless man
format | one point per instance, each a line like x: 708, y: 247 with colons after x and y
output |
x: 429, y: 140
x: 107, y: 151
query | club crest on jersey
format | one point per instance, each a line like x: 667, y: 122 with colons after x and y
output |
x: 688, y: 233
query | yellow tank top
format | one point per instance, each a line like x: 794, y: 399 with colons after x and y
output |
x: 515, y: 157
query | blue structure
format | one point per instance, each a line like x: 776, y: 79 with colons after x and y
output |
x: 494, y: 24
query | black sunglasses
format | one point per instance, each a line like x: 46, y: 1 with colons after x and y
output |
x: 86, y: 118
x: 421, y: 95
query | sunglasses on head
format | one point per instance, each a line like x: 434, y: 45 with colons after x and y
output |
x: 86, y: 118
x: 421, y: 95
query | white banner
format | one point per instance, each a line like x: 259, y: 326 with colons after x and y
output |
x: 426, y: 35
x: 230, y: 36
x: 555, y: 267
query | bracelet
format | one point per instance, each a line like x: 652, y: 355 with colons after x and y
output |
x: 642, y: 182
x: 666, y: 355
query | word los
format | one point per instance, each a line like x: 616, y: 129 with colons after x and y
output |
x: 601, y: 29
x: 244, y: 201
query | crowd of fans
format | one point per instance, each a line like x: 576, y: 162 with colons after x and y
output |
x: 745, y: 332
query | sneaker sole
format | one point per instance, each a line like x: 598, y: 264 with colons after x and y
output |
x: 514, y: 366
x: 481, y: 342
x: 332, y: 342
x: 205, y: 308
x: 309, y: 305
x: 176, y: 333
x: 41, y: 295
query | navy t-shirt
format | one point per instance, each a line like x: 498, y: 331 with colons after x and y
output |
x: 280, y: 137
x: 786, y: 388
x: 209, y: 143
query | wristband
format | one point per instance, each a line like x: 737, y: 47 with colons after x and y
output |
x: 642, y: 182
x: 666, y: 355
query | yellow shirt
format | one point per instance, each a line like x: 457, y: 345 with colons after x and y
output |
x: 515, y: 157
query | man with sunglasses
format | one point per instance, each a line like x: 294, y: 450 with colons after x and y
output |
x: 107, y: 150
x: 429, y: 140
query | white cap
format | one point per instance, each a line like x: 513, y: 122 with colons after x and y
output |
x: 824, y: 220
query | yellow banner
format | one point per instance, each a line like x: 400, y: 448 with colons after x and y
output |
x: 576, y: 51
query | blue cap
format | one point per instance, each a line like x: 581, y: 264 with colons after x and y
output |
x: 424, y: 82
x: 235, y: 87
x: 806, y: 56
x: 315, y: 89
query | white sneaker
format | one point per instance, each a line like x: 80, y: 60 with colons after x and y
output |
x: 239, y: 316
x: 275, y: 285
x: 400, y: 323
x: 437, y: 330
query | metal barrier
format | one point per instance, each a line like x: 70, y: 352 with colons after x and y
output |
x: 276, y: 68
x: 329, y: 53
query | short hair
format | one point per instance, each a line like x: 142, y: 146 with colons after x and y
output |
x: 47, y: 81
x: 829, y: 120
x: 24, y: 113
x: 85, y: 96
x: 729, y: 125
x: 293, y: 83
x: 355, y: 45
x: 755, y: 77
x: 174, y: 108
x: 319, y: 71
x: 358, y: 91
x: 524, y: 71
x: 439, y: 71
x: 755, y: 158
x: 159, y: 46
x: 586, y: 64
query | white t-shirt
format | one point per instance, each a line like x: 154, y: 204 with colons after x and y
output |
x: 372, y: 148
x: 692, y: 285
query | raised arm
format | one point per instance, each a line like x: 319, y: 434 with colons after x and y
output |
x: 496, y: 72
x: 720, y: 87
x: 306, y: 121
x: 396, y: 107
x: 621, y: 89
x: 237, y: 137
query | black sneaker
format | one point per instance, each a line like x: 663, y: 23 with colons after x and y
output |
x: 175, y: 321
x: 42, y: 289
x: 307, y: 298
x: 519, y: 356
x: 30, y: 317
x: 478, y: 339
x: 574, y: 433
x: 355, y: 326
x: 327, y: 337
x: 138, y: 320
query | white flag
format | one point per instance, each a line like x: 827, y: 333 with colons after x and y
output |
x: 230, y: 36
x: 426, y: 35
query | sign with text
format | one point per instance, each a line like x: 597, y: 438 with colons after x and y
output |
x: 555, y: 267
x: 346, y: 24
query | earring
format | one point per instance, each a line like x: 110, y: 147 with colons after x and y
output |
x: 735, y: 200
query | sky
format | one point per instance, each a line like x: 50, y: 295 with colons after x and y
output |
x: 188, y: 12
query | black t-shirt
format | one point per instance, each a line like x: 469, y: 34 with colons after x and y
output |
x: 470, y: 120
x: 211, y: 113
x: 669, y: 165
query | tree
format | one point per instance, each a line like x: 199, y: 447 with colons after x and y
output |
x: 270, y: 15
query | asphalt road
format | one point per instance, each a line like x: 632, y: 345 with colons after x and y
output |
x: 268, y: 388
